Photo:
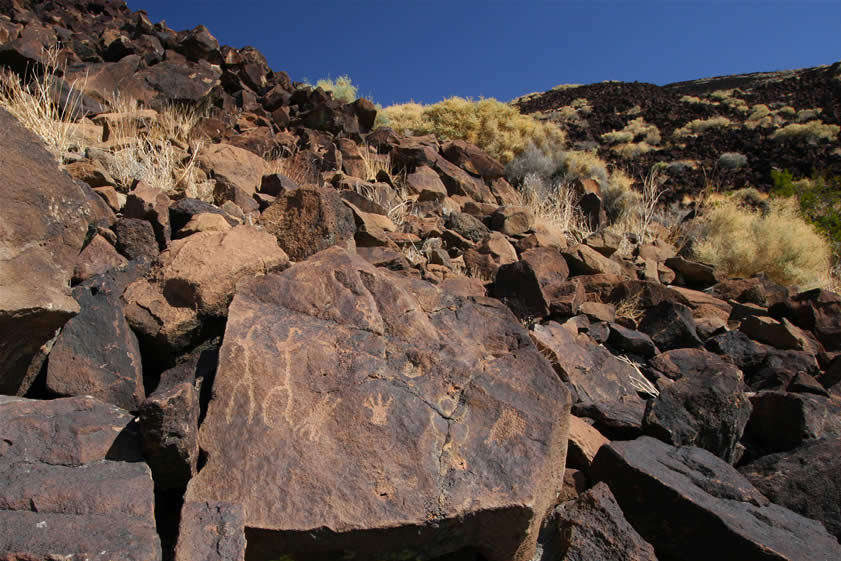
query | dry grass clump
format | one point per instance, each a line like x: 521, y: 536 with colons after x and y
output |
x: 297, y: 166
x: 555, y: 207
x: 32, y: 104
x: 157, y: 148
x: 808, y: 114
x: 630, y: 150
x: 741, y: 241
x: 813, y: 130
x: 497, y: 128
x: 697, y: 126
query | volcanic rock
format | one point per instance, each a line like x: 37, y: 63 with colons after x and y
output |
x: 601, y: 383
x: 705, y: 508
x: 72, y: 483
x: 211, y: 531
x: 593, y: 527
x: 45, y: 217
x: 804, y: 479
x: 304, y: 429
x: 96, y: 353
x: 307, y: 220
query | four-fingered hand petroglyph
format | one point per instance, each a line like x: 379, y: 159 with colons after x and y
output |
x: 379, y: 408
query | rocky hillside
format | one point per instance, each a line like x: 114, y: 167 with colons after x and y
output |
x: 238, y: 323
x: 730, y: 131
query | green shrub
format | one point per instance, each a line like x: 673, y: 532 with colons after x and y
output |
x: 342, y: 88
x: 741, y: 241
x: 819, y: 199
x: 496, y: 127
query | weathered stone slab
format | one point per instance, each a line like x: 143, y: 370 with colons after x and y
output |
x: 44, y: 217
x: 72, y: 483
x: 381, y: 415
x: 804, y: 479
x: 691, y: 505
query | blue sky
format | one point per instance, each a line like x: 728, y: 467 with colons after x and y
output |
x: 426, y: 50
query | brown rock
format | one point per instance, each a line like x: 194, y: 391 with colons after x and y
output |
x: 238, y: 172
x: 691, y: 272
x: 816, y: 310
x: 211, y: 531
x: 459, y: 182
x: 425, y: 182
x: 472, y: 159
x: 152, y: 204
x: 111, y: 197
x: 169, y: 422
x: 594, y: 527
x: 72, y: 483
x: 96, y: 353
x: 98, y: 257
x: 91, y: 172
x: 804, y: 480
x: 512, y: 220
x: 584, y: 443
x: 45, y: 217
x: 503, y: 191
x: 136, y: 239
x: 530, y: 286
x: 417, y: 444
x: 201, y: 271
x: 767, y: 330
x: 204, y: 222
x: 782, y: 421
x: 602, y: 384
x: 706, y: 509
x: 307, y: 220
x: 584, y: 260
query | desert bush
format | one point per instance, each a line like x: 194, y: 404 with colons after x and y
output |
x: 700, y: 125
x: 740, y: 241
x: 630, y: 150
x: 813, y: 131
x: 808, y: 114
x: 732, y: 160
x: 342, y: 88
x: 636, y: 130
x: 819, y: 199
x: 497, y: 128
x: 696, y: 100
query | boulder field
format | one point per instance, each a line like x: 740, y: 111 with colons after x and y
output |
x: 323, y: 362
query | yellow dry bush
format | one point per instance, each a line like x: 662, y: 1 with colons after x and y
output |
x: 630, y: 150
x: 813, y: 130
x: 700, y: 125
x: 497, y: 128
x: 740, y: 241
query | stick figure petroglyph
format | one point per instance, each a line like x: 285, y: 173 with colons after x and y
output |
x: 379, y: 409
x: 278, y: 405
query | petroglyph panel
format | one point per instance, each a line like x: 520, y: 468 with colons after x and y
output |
x: 369, y: 404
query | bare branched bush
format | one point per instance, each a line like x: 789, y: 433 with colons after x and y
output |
x: 555, y: 207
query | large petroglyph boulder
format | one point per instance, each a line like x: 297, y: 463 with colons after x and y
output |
x: 359, y: 412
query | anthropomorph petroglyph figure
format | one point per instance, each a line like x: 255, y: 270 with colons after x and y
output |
x: 379, y: 408
x: 279, y: 402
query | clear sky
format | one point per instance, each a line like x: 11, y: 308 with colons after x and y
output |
x: 426, y: 50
